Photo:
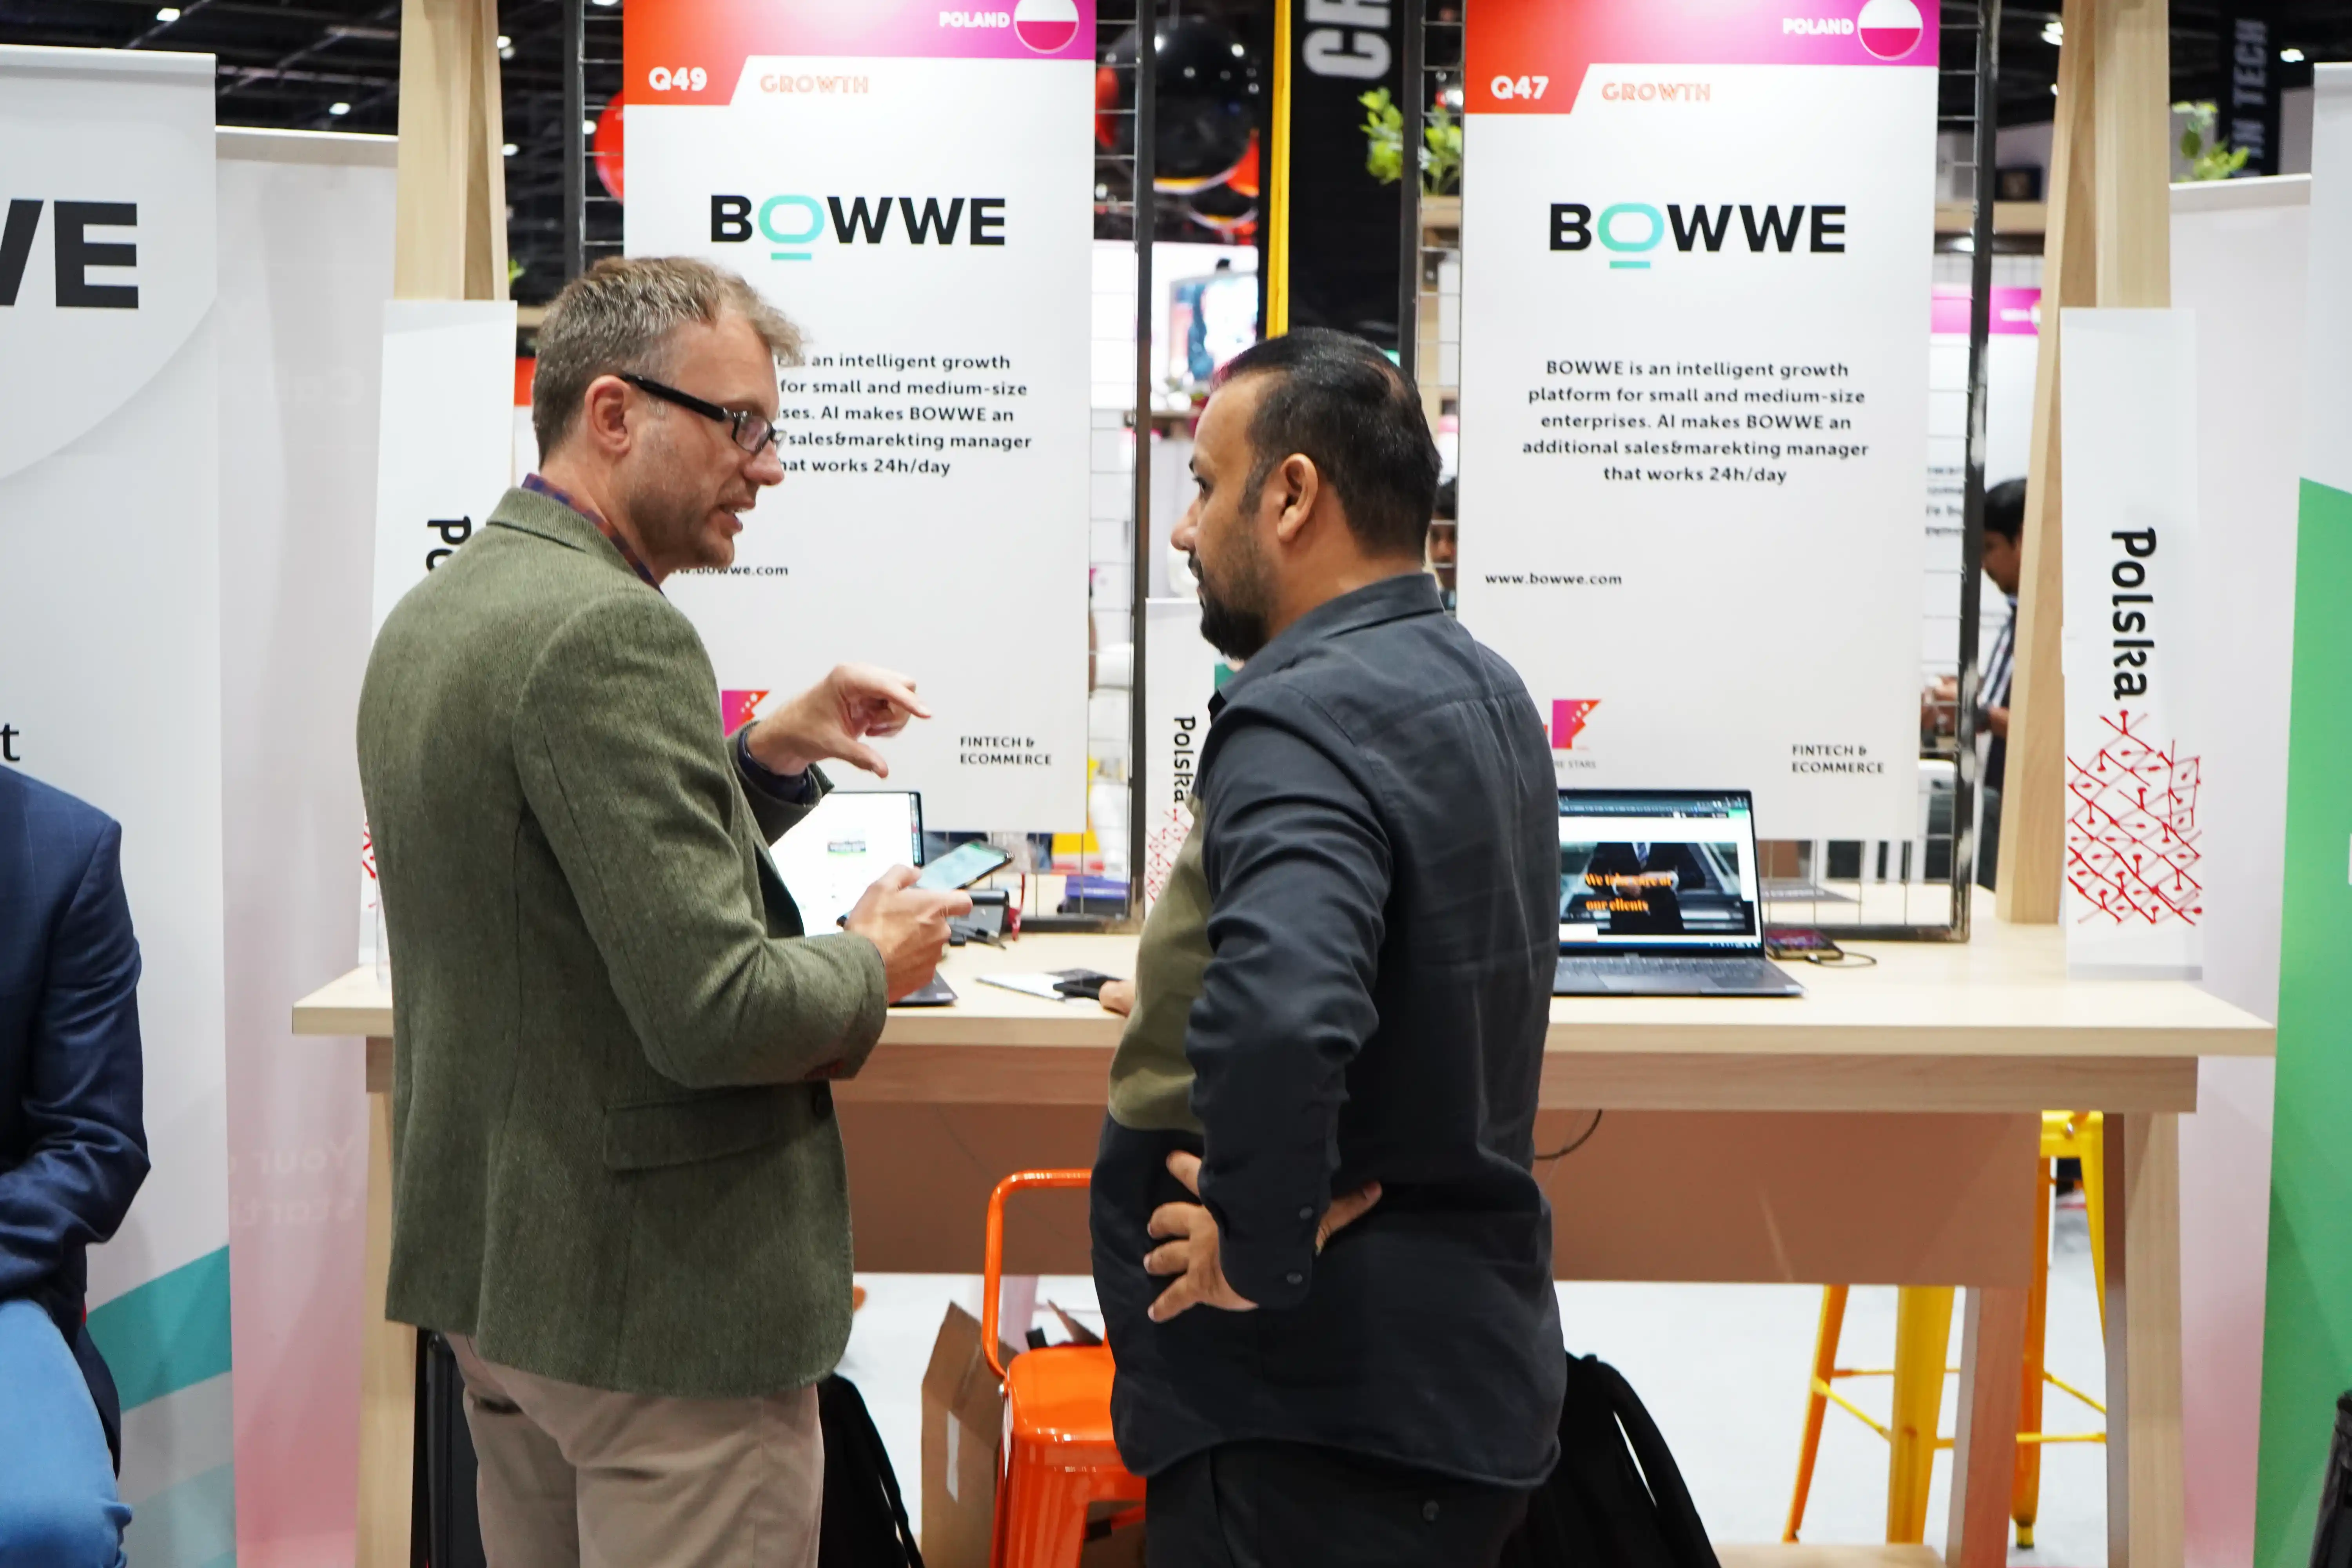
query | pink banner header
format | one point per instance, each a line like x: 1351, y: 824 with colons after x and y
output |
x: 693, y: 52
x: 1530, y: 56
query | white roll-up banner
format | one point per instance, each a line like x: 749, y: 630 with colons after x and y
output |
x: 1696, y: 258
x: 305, y: 263
x: 1181, y: 673
x: 110, y: 679
x: 445, y: 453
x: 2135, y: 898
x: 913, y: 186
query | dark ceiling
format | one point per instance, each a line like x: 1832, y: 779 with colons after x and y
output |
x: 290, y: 63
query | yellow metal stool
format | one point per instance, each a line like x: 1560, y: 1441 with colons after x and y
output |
x: 1922, y: 1332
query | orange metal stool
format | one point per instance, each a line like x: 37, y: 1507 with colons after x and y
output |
x: 1060, y: 1455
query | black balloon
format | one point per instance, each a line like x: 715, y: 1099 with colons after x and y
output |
x: 1210, y: 96
x: 1221, y: 208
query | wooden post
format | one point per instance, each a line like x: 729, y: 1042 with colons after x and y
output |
x: 2146, y: 1523
x: 1984, y: 1441
x: 2108, y: 244
x: 2133, y: 127
x: 387, y: 1356
x: 2033, y: 791
x: 451, y: 240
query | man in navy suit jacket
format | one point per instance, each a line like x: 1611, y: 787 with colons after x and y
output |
x: 72, y: 1153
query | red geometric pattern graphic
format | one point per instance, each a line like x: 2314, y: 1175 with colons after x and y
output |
x: 1160, y: 847
x: 2131, y: 830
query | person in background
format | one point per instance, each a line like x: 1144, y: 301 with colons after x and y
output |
x: 1444, y: 541
x: 73, y: 1152
x: 2004, y: 560
x: 1324, y: 1264
x: 618, y: 1185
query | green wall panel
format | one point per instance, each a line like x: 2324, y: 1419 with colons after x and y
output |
x: 2307, y: 1336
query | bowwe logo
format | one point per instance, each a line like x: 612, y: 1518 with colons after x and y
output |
x: 1629, y: 231
x: 798, y: 221
x: 77, y: 252
x: 1569, y: 717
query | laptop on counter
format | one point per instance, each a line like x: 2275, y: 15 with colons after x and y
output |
x: 1659, y: 896
x: 834, y: 853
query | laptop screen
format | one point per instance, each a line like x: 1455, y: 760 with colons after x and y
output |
x: 1652, y: 869
x: 834, y: 853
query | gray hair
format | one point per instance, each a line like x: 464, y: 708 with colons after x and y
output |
x: 619, y: 315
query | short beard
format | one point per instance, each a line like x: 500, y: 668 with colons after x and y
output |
x: 667, y: 517
x: 1234, y: 617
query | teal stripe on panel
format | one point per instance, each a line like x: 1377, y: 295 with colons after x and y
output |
x: 172, y: 1331
x: 191, y: 1525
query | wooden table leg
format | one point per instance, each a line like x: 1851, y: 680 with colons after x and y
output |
x: 387, y: 1354
x: 2145, y: 1473
x: 1984, y: 1444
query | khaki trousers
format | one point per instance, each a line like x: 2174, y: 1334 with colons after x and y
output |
x: 585, y: 1478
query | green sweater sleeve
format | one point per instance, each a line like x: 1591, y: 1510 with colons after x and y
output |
x: 616, y: 742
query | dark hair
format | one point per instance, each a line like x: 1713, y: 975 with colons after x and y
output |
x: 1336, y: 400
x: 2004, y: 509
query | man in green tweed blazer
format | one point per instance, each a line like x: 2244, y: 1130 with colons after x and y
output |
x: 618, y: 1185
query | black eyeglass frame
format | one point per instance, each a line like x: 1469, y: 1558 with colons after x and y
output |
x: 737, y: 420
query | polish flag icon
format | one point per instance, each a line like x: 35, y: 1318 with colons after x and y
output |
x: 1889, y: 28
x: 1045, y: 25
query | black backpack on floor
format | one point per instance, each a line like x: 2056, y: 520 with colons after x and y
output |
x: 864, y: 1518
x: 1616, y: 1499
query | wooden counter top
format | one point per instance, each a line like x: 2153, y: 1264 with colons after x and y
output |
x: 1990, y: 1025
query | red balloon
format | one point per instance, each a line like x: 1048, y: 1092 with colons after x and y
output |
x: 1106, y: 96
x: 608, y: 147
x: 1244, y: 176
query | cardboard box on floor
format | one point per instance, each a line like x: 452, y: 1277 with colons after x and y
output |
x: 963, y: 1428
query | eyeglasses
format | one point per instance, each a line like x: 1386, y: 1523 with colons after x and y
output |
x: 751, y: 431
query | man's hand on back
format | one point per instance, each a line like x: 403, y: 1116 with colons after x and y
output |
x: 909, y: 924
x: 1193, y: 1253
x: 832, y: 718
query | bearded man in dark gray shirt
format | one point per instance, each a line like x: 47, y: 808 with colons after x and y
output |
x: 1324, y: 1262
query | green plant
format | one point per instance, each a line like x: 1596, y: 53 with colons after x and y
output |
x: 2209, y: 157
x: 1441, y: 152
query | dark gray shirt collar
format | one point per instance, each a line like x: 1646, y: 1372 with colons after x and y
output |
x: 1391, y: 598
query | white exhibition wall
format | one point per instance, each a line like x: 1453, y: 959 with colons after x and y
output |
x: 2240, y: 253
x: 306, y: 242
